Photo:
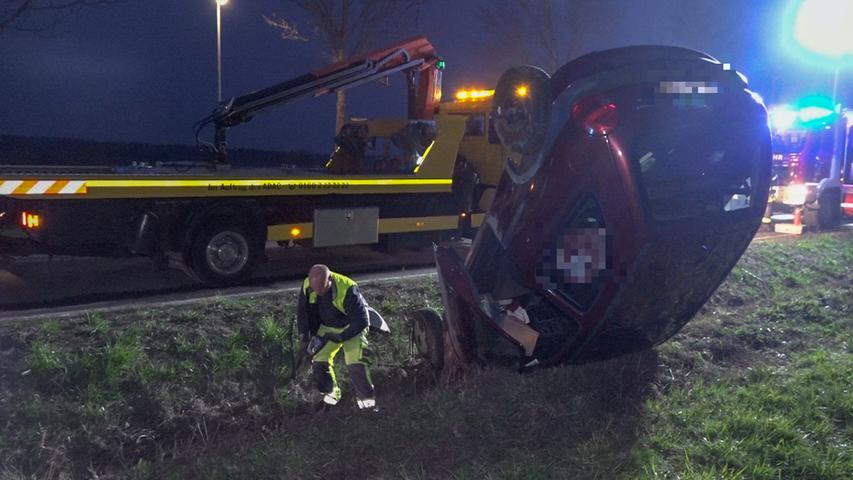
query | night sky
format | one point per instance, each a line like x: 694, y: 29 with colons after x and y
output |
x: 144, y: 71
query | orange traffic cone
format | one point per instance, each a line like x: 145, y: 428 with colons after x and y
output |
x: 798, y: 216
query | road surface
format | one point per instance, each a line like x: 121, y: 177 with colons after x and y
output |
x: 39, y: 286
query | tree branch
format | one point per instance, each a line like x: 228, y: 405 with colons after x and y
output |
x: 40, y: 15
x: 346, y: 28
x: 288, y: 30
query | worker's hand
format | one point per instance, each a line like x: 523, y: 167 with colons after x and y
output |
x: 315, y: 345
x: 332, y: 337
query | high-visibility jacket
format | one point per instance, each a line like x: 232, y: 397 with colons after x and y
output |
x: 340, y: 286
x: 347, y: 301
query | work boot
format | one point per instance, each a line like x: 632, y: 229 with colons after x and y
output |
x: 326, y: 403
x: 367, y: 405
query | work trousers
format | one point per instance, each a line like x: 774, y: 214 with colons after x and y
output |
x: 356, y: 358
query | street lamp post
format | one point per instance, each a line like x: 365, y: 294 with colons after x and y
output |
x: 822, y: 27
x: 219, y: 5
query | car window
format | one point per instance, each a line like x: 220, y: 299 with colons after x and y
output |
x: 475, y: 125
x: 575, y: 261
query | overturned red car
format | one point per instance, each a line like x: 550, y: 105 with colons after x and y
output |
x: 641, y: 174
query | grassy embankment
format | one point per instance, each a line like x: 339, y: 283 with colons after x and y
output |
x: 758, y: 385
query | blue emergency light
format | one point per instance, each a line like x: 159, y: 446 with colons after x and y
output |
x: 810, y: 112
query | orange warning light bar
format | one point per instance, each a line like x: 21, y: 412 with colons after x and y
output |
x: 468, y: 95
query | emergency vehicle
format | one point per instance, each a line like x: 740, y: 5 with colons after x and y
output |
x: 812, y: 177
x: 425, y: 176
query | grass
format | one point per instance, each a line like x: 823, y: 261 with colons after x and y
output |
x: 788, y: 422
x: 481, y: 429
x: 757, y: 385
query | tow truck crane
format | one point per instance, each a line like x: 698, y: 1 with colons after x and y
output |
x: 212, y: 220
x: 416, y: 58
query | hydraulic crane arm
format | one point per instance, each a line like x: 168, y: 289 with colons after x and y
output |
x: 415, y: 57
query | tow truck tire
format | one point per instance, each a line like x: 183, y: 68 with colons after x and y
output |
x: 223, y: 252
x: 829, y: 212
x: 428, y: 337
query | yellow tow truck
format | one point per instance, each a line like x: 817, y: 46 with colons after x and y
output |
x: 426, y: 176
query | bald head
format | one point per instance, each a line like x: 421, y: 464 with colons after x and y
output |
x: 319, y: 279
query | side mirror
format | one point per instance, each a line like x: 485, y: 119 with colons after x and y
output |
x: 521, y: 108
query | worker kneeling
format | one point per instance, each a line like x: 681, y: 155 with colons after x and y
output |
x: 331, y: 314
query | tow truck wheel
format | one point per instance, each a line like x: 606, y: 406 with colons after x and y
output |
x: 428, y: 337
x: 223, y: 253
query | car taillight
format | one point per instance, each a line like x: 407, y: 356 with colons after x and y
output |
x: 597, y: 115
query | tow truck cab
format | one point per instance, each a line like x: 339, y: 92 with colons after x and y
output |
x: 480, y: 147
x: 433, y: 148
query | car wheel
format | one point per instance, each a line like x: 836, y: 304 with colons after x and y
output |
x: 223, y: 253
x: 428, y: 337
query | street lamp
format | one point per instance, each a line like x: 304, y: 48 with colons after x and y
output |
x: 823, y: 28
x: 219, y: 5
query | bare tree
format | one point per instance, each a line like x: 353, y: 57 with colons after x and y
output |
x: 716, y: 26
x: 544, y: 32
x: 39, y: 16
x: 345, y: 28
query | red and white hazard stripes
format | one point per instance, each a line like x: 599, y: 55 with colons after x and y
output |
x: 42, y: 187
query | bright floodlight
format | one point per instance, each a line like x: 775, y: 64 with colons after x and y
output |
x: 824, y: 27
x: 221, y: 3
x: 782, y: 118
